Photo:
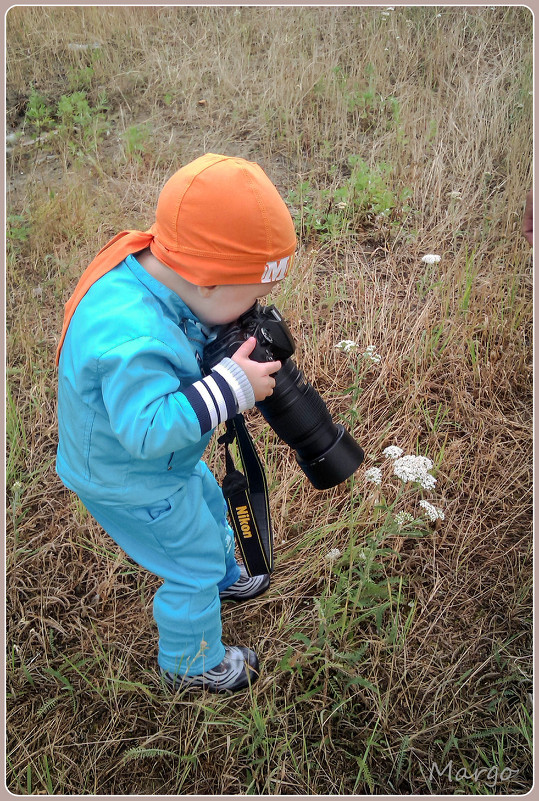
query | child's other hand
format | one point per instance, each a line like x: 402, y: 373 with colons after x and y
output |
x: 258, y: 373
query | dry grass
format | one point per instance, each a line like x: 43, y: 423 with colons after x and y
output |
x: 356, y: 695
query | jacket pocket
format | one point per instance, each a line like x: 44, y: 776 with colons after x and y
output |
x: 87, y: 444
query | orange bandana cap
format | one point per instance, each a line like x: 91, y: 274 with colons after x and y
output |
x: 220, y: 220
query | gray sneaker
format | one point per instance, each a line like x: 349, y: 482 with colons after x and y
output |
x: 246, y: 587
x: 237, y: 671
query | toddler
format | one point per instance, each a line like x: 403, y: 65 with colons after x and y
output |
x: 135, y: 413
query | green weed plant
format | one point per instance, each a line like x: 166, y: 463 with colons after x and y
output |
x: 362, y: 200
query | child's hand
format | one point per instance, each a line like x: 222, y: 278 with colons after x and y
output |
x: 258, y: 373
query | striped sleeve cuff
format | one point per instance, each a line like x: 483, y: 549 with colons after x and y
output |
x: 236, y: 378
x: 222, y: 394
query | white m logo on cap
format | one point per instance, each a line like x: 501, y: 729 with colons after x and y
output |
x: 276, y: 270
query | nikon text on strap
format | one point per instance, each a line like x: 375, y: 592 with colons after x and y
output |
x: 248, y: 500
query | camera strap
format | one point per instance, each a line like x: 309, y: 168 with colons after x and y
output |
x: 247, y: 499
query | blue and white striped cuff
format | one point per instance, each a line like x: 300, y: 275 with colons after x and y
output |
x: 222, y: 394
x: 236, y: 378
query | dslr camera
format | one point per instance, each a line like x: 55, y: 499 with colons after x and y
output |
x: 325, y: 451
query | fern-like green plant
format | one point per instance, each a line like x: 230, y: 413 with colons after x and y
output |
x: 139, y: 752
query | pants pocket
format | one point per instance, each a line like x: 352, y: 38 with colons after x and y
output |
x: 155, y: 511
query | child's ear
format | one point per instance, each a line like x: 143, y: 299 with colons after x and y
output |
x: 206, y: 291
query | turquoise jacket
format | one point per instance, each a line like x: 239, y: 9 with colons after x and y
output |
x: 134, y: 412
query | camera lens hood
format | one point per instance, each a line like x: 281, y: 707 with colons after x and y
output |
x: 336, y: 464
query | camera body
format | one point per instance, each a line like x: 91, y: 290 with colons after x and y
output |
x: 273, y: 337
x: 325, y: 451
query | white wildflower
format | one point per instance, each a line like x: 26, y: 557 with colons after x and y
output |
x: 427, y: 481
x: 403, y: 517
x: 415, y: 468
x: 342, y: 205
x: 432, y: 512
x: 333, y: 555
x: 374, y: 474
x: 392, y: 452
x: 431, y: 258
x: 346, y: 345
x: 456, y: 194
x: 371, y: 354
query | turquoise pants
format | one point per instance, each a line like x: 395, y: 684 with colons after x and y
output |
x: 186, y: 540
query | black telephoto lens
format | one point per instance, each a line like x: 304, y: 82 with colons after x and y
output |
x: 325, y: 451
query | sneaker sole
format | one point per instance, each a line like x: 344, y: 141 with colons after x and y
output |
x: 243, y: 685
